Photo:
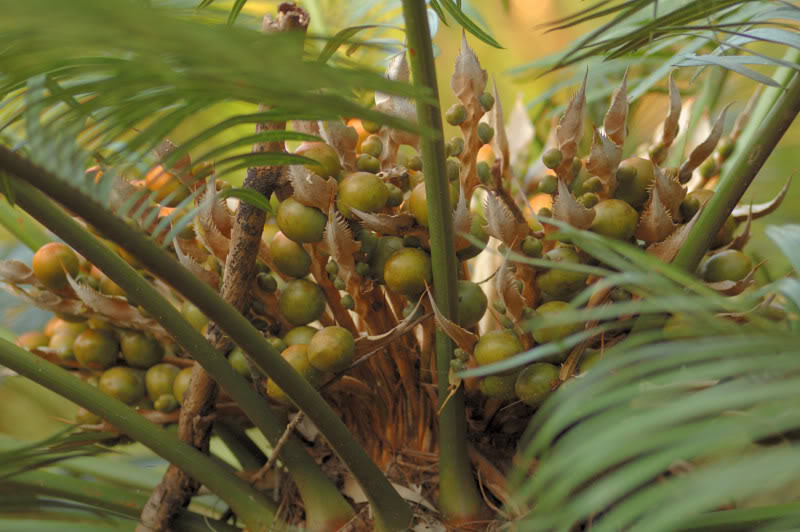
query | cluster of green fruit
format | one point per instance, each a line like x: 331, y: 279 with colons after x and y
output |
x: 355, y: 224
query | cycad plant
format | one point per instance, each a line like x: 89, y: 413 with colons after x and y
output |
x: 492, y: 331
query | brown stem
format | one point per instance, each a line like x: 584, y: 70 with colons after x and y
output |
x: 197, y: 414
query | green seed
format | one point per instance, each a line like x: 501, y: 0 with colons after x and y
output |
x: 483, y: 172
x: 532, y: 247
x: 536, y: 382
x: 485, y: 132
x: 395, y: 195
x: 362, y: 269
x: 548, y: 184
x: 415, y: 163
x: 370, y: 126
x: 487, y: 101
x: 455, y: 147
x: 456, y: 115
x: 267, y: 282
x: 348, y: 302
x: 453, y: 169
x: 499, y: 306
x: 552, y: 158
x: 368, y: 163
x: 339, y: 283
x: 589, y: 200
x: 372, y: 145
x: 332, y: 268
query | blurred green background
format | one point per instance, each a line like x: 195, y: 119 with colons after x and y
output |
x: 33, y: 412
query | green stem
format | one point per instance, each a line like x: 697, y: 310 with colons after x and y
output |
x: 22, y: 226
x: 125, y: 501
x: 389, y: 508
x: 253, y: 507
x: 241, y: 447
x: 752, y: 151
x: 458, y: 495
x: 311, y: 482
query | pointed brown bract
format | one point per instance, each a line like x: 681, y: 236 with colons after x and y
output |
x: 500, y: 221
x: 391, y: 224
x: 338, y: 242
x: 570, y: 130
x: 209, y: 277
x: 500, y: 140
x: 520, y: 132
x: 463, y: 338
x: 505, y: 286
x: 762, y: 209
x: 732, y: 288
x: 704, y: 149
x: 673, y: 115
x: 398, y: 106
x: 214, y: 210
x: 17, y: 272
x: 744, y: 116
x: 668, y: 249
x: 567, y: 209
x: 469, y: 79
x: 670, y: 191
x: 217, y: 243
x: 310, y: 189
x: 604, y: 159
x: 741, y: 240
x: 655, y: 223
x: 366, y: 345
x: 343, y: 139
x: 617, y: 115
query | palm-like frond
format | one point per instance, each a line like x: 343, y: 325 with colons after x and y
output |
x: 110, y: 80
x: 641, y: 24
x: 670, y: 424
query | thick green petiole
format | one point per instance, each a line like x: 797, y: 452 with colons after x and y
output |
x: 458, y: 494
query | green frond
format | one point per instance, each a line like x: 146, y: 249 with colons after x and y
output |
x: 670, y: 424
